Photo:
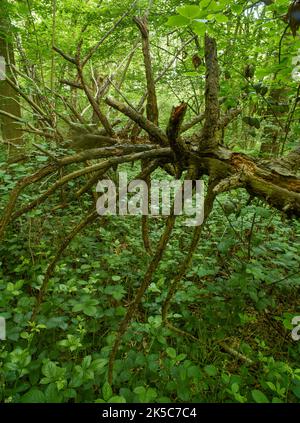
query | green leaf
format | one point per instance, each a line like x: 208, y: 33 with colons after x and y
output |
x: 193, y: 74
x: 52, y: 394
x: 235, y: 388
x: 199, y: 27
x: 180, y: 357
x: 271, y: 386
x: 139, y: 390
x: 178, y: 20
x: 259, y: 396
x: 50, y: 370
x: 211, y: 370
x: 86, y: 362
x: 34, y: 395
x: 77, y: 378
x: 116, y: 291
x: 151, y: 395
x: 118, y: 294
x: 90, y: 310
x: 189, y: 12
x: 296, y: 390
x: 70, y: 393
x: 106, y: 391
x: 221, y: 18
x: 57, y: 322
x: 276, y: 400
x: 116, y: 278
x: 77, y: 307
x: 117, y: 399
x: 237, y: 8
x: 253, y: 295
x: 171, y: 352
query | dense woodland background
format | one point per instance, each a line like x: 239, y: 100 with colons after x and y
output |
x: 143, y: 309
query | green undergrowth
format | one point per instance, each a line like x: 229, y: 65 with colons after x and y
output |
x: 236, y: 304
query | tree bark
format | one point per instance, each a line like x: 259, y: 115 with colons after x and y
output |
x: 9, y: 98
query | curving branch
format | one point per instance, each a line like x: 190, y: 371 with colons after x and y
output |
x: 28, y: 180
x: 8, y: 214
x: 93, y: 50
x: 208, y: 206
x: 51, y: 267
x: 274, y: 181
x: 197, y: 119
x: 229, y: 117
x: 152, y: 109
x: 153, y: 130
x: 163, y: 242
x: 102, y: 118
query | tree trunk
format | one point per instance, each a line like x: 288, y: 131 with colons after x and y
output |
x: 10, y: 129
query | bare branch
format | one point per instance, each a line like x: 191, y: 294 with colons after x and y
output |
x: 152, y: 109
x: 226, y: 119
x: 17, y: 191
x: 157, y: 79
x: 28, y: 100
x: 103, y: 119
x: 71, y: 84
x: 153, y: 130
x: 159, y: 152
x: 208, y: 205
x: 65, y: 55
x: 50, y: 269
x: 114, y: 151
x: 192, y: 122
x: 163, y: 242
x: 212, y: 110
x: 105, y: 36
x: 173, y: 130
